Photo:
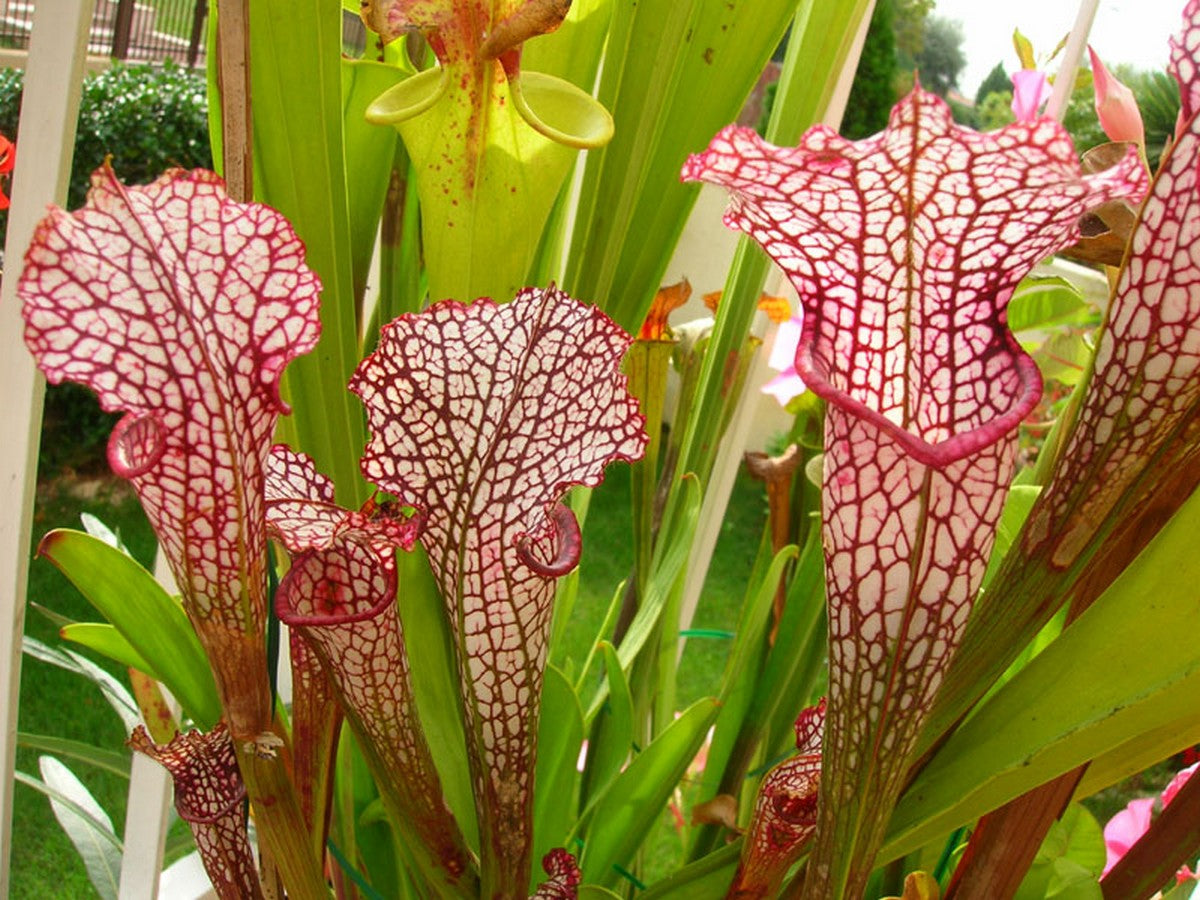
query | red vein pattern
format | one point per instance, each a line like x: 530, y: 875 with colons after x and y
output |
x: 1131, y: 459
x: 316, y: 721
x: 905, y: 249
x: 181, y: 308
x: 481, y: 416
x: 564, y: 880
x: 211, y: 797
x: 785, y: 814
x: 1185, y: 50
x: 1144, y: 395
x: 340, y: 596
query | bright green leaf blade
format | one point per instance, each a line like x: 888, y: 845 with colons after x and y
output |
x: 1064, y: 356
x: 821, y: 36
x: 1017, y: 505
x: 1070, y: 860
x: 369, y: 152
x: 1024, y: 50
x: 705, y: 879
x: 87, y: 826
x: 632, y: 804
x: 113, y: 761
x: 1140, y: 753
x: 595, y: 892
x: 752, y: 626
x: 572, y: 51
x: 613, y: 738
x: 740, y: 686
x: 670, y: 555
x: 435, y: 684
x: 675, y: 73
x: 300, y: 171
x: 560, y: 735
x: 1046, y: 302
x: 605, y: 631
x: 107, y: 641
x: 793, y: 664
x: 1126, y: 667
x: 153, y: 623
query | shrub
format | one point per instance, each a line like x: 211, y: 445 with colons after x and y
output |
x: 147, y: 119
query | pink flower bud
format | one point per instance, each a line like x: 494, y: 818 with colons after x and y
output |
x: 1116, y: 106
x: 1031, y: 90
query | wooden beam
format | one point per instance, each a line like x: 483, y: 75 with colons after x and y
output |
x: 53, y: 81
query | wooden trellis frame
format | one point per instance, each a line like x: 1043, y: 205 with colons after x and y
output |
x: 53, y: 82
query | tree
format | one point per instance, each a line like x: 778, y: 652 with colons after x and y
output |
x: 941, y: 59
x: 872, y: 94
x: 997, y: 81
x: 908, y: 18
x: 995, y: 111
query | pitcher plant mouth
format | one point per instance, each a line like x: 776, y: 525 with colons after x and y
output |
x: 135, y: 296
x: 480, y: 417
x: 489, y: 141
x: 904, y: 249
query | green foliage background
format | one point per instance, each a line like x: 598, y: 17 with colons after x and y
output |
x: 147, y: 119
x: 873, y: 93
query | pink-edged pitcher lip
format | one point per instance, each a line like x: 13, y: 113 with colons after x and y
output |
x: 938, y: 454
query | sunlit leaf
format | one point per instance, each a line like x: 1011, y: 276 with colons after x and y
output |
x: 86, y: 824
x: 151, y: 621
x: 635, y: 800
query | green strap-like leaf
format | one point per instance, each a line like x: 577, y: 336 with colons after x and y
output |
x: 1126, y: 667
x: 560, y: 735
x: 152, y: 622
x: 106, y: 640
x: 612, y: 733
x: 113, y: 761
x: 300, y: 170
x: 634, y: 801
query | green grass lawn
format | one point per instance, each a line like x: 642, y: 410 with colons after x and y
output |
x: 56, y: 702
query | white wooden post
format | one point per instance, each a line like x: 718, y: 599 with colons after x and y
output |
x: 53, y: 80
x: 1064, y: 82
x: 729, y: 456
x: 150, y: 791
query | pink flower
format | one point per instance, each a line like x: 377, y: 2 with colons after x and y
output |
x: 1116, y: 105
x: 1127, y: 827
x: 1031, y: 90
x: 1124, y: 829
x: 787, y: 385
x: 1177, y: 783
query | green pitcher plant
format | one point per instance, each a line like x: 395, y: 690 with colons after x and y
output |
x: 927, y: 624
